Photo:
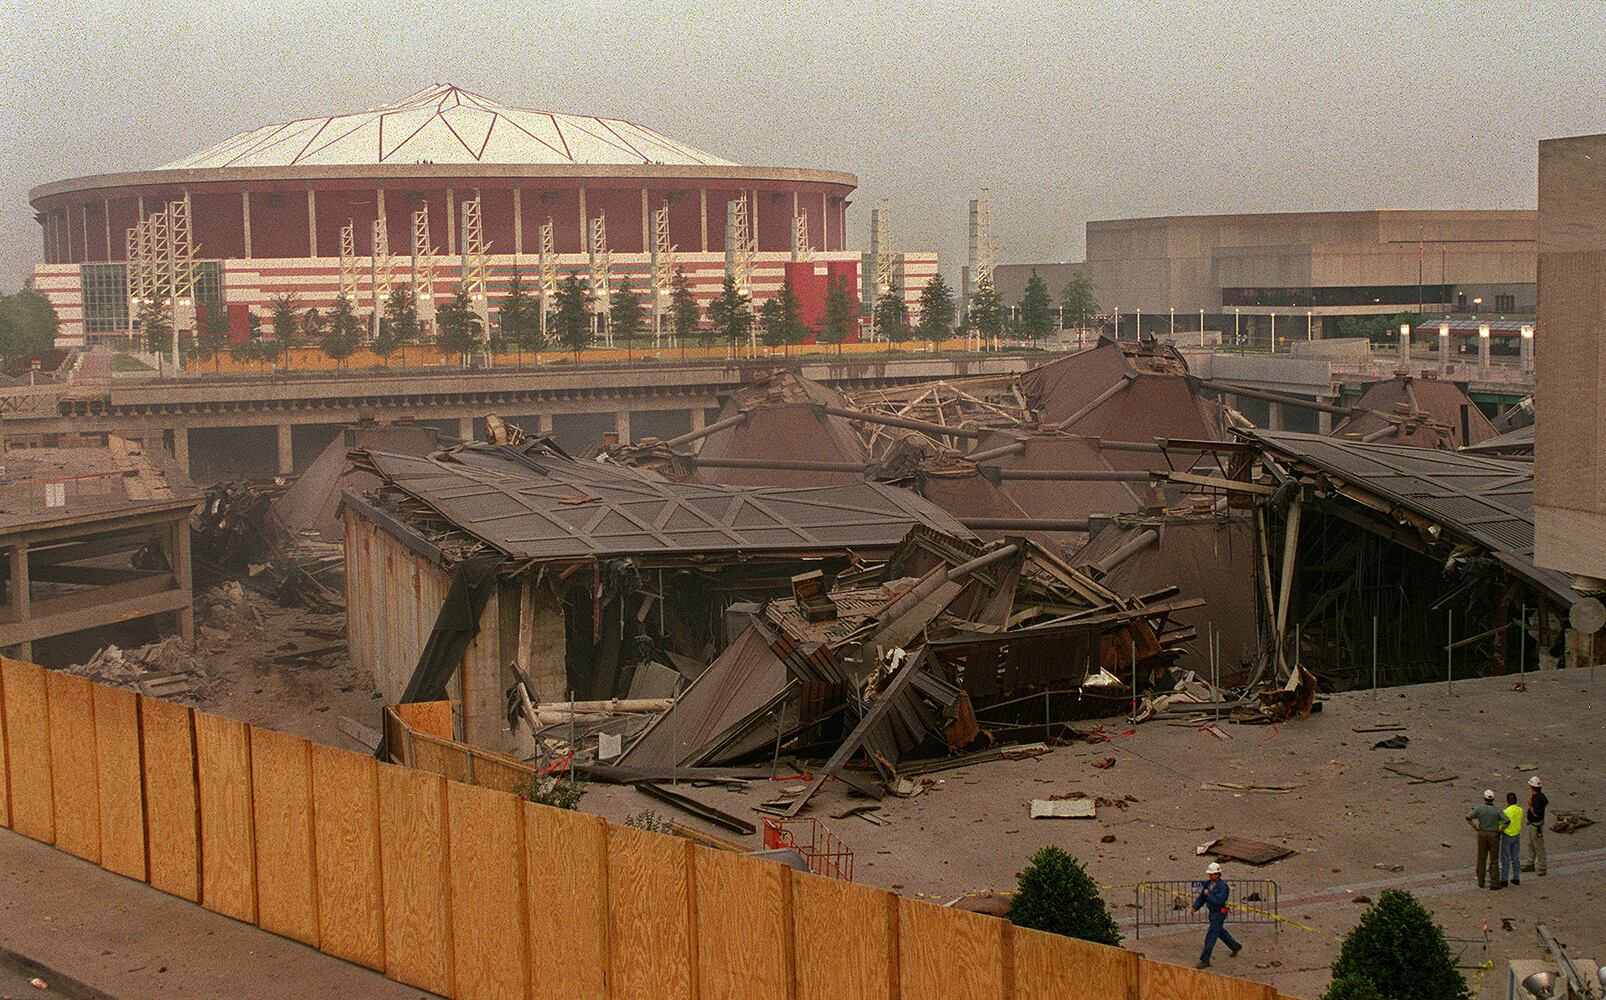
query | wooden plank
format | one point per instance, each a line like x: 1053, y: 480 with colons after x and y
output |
x: 649, y: 883
x: 433, y: 718
x: 5, y: 767
x: 228, y: 856
x: 1045, y: 963
x: 846, y: 940
x: 74, y: 785
x: 172, y: 810
x: 445, y: 759
x: 948, y: 954
x: 505, y: 776
x: 118, y: 758
x: 743, y: 927
x: 281, y: 815
x: 1159, y: 981
x: 490, y: 933
x: 345, y: 814
x: 413, y: 856
x: 566, y: 872
x: 28, y: 750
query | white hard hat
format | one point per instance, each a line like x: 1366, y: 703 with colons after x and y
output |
x: 1534, y: 782
x: 1212, y: 869
x: 1488, y: 793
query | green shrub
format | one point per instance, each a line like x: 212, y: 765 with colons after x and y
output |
x: 1056, y: 894
x: 560, y: 792
x: 1401, y: 950
x: 1352, y: 987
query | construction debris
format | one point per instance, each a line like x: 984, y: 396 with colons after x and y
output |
x: 1250, y: 852
x: 1079, y: 808
x: 1570, y: 822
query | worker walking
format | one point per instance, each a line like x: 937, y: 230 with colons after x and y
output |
x: 1537, y: 803
x: 1511, y: 842
x: 1487, y: 821
x: 1212, y: 899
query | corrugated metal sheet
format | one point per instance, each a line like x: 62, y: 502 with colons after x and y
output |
x: 534, y: 504
x: 1416, y: 404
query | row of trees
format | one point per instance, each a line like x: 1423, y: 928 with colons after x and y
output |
x: 27, y: 325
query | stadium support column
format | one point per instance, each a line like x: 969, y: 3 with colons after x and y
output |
x: 106, y: 217
x: 585, y: 236
x: 181, y: 450
x: 621, y: 423
x: 287, y: 462
x: 825, y: 224
x: 245, y: 219
x: 465, y: 428
x: 518, y: 223
x: 699, y: 417
x: 451, y: 222
x: 704, y: 200
x: 312, y: 223
x: 646, y: 222
x: 543, y: 424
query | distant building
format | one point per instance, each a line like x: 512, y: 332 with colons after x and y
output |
x: 268, y: 209
x: 1570, y: 469
x: 1310, y: 269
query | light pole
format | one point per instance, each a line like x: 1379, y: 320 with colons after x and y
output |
x: 1405, y: 347
x: 1201, y: 326
x: 1274, y: 331
x: 1444, y: 348
x: 1528, y: 350
x: 1172, y: 330
x: 1237, y: 336
x: 1483, y: 352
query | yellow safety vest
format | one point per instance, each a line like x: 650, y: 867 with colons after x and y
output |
x: 1513, y: 821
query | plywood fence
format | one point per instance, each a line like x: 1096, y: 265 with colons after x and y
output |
x: 473, y: 892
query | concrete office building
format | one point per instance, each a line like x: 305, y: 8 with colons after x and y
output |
x: 1310, y: 269
x: 1569, y: 446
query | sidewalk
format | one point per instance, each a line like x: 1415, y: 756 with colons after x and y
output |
x: 130, y: 941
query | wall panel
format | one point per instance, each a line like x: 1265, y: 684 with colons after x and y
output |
x: 345, y: 811
x: 1159, y: 981
x: 118, y: 761
x: 5, y: 767
x: 228, y: 862
x: 743, y: 927
x: 74, y: 785
x: 948, y: 954
x: 28, y: 750
x: 566, y: 872
x: 846, y: 940
x: 172, y: 812
x: 1044, y: 963
x: 417, y: 884
x: 649, y: 878
x: 490, y: 937
x: 281, y: 798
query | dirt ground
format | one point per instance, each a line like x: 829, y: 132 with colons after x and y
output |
x: 1350, y: 821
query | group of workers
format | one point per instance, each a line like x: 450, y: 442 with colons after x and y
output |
x: 1499, y: 830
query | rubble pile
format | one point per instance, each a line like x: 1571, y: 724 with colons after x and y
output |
x: 168, y: 669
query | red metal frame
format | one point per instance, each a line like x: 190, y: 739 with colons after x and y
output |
x: 825, y: 854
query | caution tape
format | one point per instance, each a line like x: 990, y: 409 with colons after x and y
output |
x: 1242, y: 908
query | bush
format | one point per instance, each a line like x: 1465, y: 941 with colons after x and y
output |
x: 560, y: 792
x: 1401, y: 951
x: 1352, y: 987
x: 649, y: 821
x: 1056, y: 894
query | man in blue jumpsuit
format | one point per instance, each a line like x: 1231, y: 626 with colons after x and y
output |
x: 1213, y: 899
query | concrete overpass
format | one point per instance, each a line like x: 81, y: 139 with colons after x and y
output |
x: 218, y: 427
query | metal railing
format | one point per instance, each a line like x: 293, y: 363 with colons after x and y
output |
x: 1166, y: 903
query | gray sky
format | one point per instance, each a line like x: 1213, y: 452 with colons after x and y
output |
x: 1067, y: 112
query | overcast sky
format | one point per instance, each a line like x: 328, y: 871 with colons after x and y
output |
x: 1067, y: 112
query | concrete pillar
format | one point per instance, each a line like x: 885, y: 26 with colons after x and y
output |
x: 1527, y: 348
x: 541, y: 646
x: 451, y: 222
x: 704, y: 200
x: 181, y: 449
x: 19, y: 595
x: 621, y: 423
x: 699, y: 418
x: 245, y: 220
x: 1405, y: 347
x: 518, y: 221
x: 312, y: 223
x: 1276, y: 417
x: 179, y: 552
x: 543, y: 424
x: 287, y: 462
x: 585, y: 223
x: 1483, y: 351
x: 1324, y: 420
x: 646, y: 222
x: 465, y: 428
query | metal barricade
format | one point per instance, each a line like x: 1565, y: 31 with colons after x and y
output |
x: 1166, y: 903
x: 825, y: 854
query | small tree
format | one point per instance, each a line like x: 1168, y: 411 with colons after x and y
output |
x: 936, y: 310
x: 731, y: 314
x: 155, y: 326
x: 1401, y: 950
x: 213, y: 336
x: 285, y: 322
x: 570, y: 316
x: 517, y: 317
x: 892, y: 314
x: 343, y: 332
x: 1036, y: 308
x: 782, y: 317
x: 1056, y: 894
x: 684, y: 315
x: 841, y: 313
x: 1077, y: 300
x: 627, y: 317
x: 986, y: 315
x: 28, y: 324
x: 1352, y: 987
x: 459, y: 325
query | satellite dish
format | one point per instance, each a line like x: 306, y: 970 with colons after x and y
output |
x: 1588, y: 615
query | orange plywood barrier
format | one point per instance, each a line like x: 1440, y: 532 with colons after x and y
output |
x: 33, y: 809
x: 74, y: 781
x: 281, y: 809
x: 345, y: 812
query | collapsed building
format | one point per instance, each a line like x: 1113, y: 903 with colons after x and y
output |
x: 1425, y: 412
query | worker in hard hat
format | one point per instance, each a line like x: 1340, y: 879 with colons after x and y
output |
x: 1487, y: 821
x: 1212, y: 898
x: 1537, y: 804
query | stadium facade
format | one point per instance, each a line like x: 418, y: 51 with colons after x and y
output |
x: 299, y: 206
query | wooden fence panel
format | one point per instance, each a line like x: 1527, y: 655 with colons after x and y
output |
x: 345, y: 812
x: 172, y: 810
x: 74, y: 785
x: 948, y: 954
x: 281, y: 799
x: 417, y: 884
x: 5, y: 766
x: 566, y: 876
x: 846, y: 940
x: 440, y: 758
x: 1045, y: 963
x: 28, y: 750
x: 490, y: 772
x: 228, y: 856
x: 432, y: 717
x: 649, y: 883
x: 118, y: 758
x: 744, y: 933
x: 490, y: 934
x: 1159, y: 981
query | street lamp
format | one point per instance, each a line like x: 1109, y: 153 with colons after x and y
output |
x: 1444, y: 348
x: 1483, y: 351
x: 1405, y: 347
x: 1527, y: 349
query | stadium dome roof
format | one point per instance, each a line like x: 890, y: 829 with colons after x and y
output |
x: 446, y: 124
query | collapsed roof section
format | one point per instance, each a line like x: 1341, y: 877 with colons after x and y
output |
x: 310, y: 508
x: 1421, y: 412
